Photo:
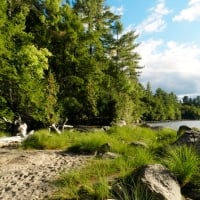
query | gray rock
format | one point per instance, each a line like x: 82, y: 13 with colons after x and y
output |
x: 182, y: 129
x: 138, y: 144
x: 160, y: 181
x: 103, y: 149
x: 189, y: 137
x: 110, y: 155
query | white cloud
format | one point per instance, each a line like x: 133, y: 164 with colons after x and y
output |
x: 172, y: 66
x: 155, y: 21
x: 117, y: 10
x: 191, y: 13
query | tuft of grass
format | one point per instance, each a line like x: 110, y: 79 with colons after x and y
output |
x: 143, y: 157
x: 132, y: 191
x: 67, y: 186
x: 101, y: 189
x: 184, y: 162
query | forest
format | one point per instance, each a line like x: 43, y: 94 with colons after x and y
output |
x: 63, y: 59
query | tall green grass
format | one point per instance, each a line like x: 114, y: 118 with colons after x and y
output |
x: 184, y: 162
x: 117, y: 137
x: 95, y: 179
x: 133, y: 191
x: 43, y: 140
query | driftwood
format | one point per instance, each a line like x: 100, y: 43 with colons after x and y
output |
x: 17, y: 127
x: 13, y: 141
x: 55, y: 128
x: 60, y: 127
x: 10, y: 141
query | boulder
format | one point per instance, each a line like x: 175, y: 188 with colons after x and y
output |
x: 189, y: 137
x: 182, y: 129
x: 159, y: 181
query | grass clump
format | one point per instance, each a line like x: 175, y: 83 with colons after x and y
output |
x: 184, y: 162
x: 88, y: 142
x: 43, y: 140
x: 132, y: 191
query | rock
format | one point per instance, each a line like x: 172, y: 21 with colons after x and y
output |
x: 110, y: 155
x: 103, y: 149
x: 138, y: 144
x: 189, y: 137
x: 159, y: 181
x: 182, y: 129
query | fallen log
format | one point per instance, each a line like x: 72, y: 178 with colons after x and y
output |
x: 13, y: 141
x: 10, y: 141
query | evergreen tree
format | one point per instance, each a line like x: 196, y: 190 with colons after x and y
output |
x: 123, y: 71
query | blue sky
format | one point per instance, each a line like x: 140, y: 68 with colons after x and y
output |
x: 169, y: 37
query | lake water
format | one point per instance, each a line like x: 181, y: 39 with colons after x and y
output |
x: 176, y: 124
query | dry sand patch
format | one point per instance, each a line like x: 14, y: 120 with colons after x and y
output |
x: 26, y: 174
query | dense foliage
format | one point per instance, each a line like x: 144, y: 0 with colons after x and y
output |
x: 191, y: 107
x: 60, y: 59
x: 160, y: 105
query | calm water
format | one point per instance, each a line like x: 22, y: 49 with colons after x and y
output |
x: 175, y: 124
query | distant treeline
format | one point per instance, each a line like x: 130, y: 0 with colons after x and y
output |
x: 166, y: 106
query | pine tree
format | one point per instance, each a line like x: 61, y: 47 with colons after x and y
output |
x: 123, y: 73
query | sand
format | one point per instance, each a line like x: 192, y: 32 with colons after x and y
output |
x: 27, y: 175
